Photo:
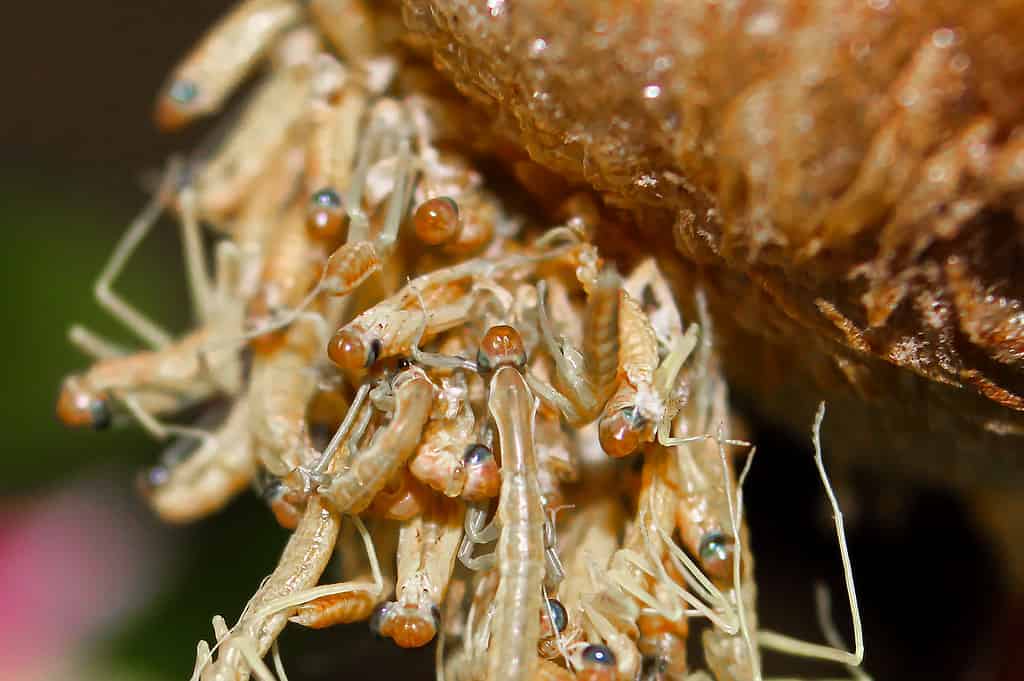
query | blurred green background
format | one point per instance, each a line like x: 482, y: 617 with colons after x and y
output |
x: 95, y: 587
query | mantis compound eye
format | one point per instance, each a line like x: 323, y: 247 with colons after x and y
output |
x: 152, y: 478
x: 553, y: 618
x: 716, y: 554
x: 483, y: 479
x: 597, y: 664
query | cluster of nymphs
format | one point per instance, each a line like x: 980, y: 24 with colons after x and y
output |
x: 381, y: 341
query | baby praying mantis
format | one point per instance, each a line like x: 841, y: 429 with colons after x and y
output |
x: 453, y: 210
x: 520, y: 553
x: 269, y: 124
x: 243, y: 647
x: 228, y: 52
x: 512, y: 654
x: 586, y: 379
x: 353, y: 605
x: 652, y: 351
x: 173, y: 374
x: 221, y: 467
x: 351, y: 490
x: 290, y: 592
x: 449, y: 458
x: 427, y: 548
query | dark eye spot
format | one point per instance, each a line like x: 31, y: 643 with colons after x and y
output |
x: 476, y: 453
x: 374, y: 352
x: 715, y: 547
x: 483, y: 363
x: 598, y: 654
x: 404, y: 363
x: 101, y: 416
x: 559, y: 617
x: 326, y: 197
x: 183, y: 91
x: 377, y: 618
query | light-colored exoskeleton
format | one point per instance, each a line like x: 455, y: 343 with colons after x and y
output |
x: 351, y: 490
x: 444, y: 456
x: 222, y: 466
x: 453, y: 211
x: 652, y: 351
x: 291, y: 592
x: 361, y: 256
x: 290, y: 268
x: 789, y: 645
x: 348, y: 25
x: 585, y: 379
x: 281, y: 386
x: 426, y: 306
x: 587, y: 541
x: 242, y: 648
x: 512, y: 654
x: 469, y: 663
x: 174, y: 373
x: 354, y: 605
x: 273, y: 117
x: 427, y: 548
x: 224, y: 57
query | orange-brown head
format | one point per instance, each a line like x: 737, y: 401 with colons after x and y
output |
x: 326, y: 218
x: 79, y: 406
x: 177, y: 104
x: 286, y: 506
x: 436, y: 221
x: 483, y: 478
x: 349, y: 351
x: 408, y: 626
x: 501, y: 346
x: 620, y: 433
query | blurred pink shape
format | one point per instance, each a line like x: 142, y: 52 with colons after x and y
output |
x: 71, y: 561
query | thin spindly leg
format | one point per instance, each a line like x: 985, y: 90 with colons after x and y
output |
x: 128, y: 315
x: 304, y: 596
x: 477, y: 529
x: 398, y: 202
x: 199, y: 286
x: 477, y: 533
x: 792, y: 646
x: 227, y: 282
x: 550, y: 395
x: 153, y: 426
x: 434, y: 359
x: 93, y: 344
x: 570, y: 375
